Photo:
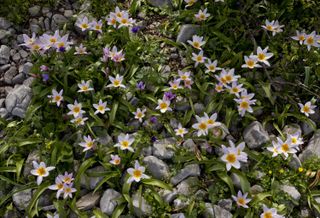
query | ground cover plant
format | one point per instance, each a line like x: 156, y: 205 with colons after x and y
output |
x: 179, y: 108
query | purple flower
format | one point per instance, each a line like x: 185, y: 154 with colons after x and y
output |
x: 153, y: 138
x: 44, y: 68
x: 45, y: 77
x: 153, y: 120
x: 62, y: 49
x: 141, y: 85
x: 169, y: 96
x: 135, y: 29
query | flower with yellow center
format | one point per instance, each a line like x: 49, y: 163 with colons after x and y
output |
x: 57, y: 186
x: 241, y: 199
x: 270, y: 213
x: 307, y: 108
x: 88, y: 143
x: 75, y: 109
x: 250, y: 62
x: 125, y: 142
x: 163, y: 105
x: 139, y: 114
x: 40, y: 170
x: 300, y: 36
x: 115, y: 159
x: 84, y: 86
x: 56, y: 97
x: 116, y: 81
x: 263, y: 55
x: 232, y: 157
x: 197, y: 42
x: 136, y: 173
x: 180, y: 131
x: 101, y: 107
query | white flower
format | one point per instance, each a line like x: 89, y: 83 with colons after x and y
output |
x: 68, y: 190
x: 212, y: 66
x: 295, y: 139
x: 163, y: 105
x: 175, y: 84
x: 300, y: 36
x: 88, y: 143
x: 273, y: 26
x: 245, y: 102
x: 202, y: 126
x: 211, y: 121
x: 66, y: 178
x: 101, y: 107
x: 116, y: 81
x: 56, y: 97
x: 235, y: 89
x: 115, y: 159
x: 198, y: 58
x: 242, y: 155
x: 274, y: 149
x: 83, y: 23
x: 250, y: 62
x: 180, y: 131
x: 263, y: 55
x: 84, y: 86
x: 96, y: 25
x: 57, y: 186
x: 112, y: 20
x: 307, y: 108
x: 125, y: 142
x: 81, y: 50
x: 40, y: 170
x: 75, y: 109
x: 286, y: 147
x: 139, y: 114
x: 184, y: 75
x: 241, y: 199
x: 311, y: 40
x: 226, y: 77
x: 202, y: 15
x: 136, y: 173
x: 232, y: 157
x: 219, y: 87
x: 125, y: 20
x: 197, y: 42
x: 79, y: 120
x: 270, y: 213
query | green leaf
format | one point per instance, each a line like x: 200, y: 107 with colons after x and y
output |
x: 84, y: 166
x: 158, y: 183
x: 99, y: 214
x: 105, y: 179
x: 260, y: 197
x: 224, y: 177
x: 118, y: 211
x: 245, y: 185
x: 30, y: 209
x: 113, y: 112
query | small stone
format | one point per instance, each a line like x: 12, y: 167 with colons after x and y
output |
x: 89, y: 182
x: 22, y: 199
x: 16, y: 57
x: 35, y: 11
x: 190, y: 170
x: 305, y: 213
x: 208, y: 212
x: 226, y: 204
x: 160, y: 3
x: 291, y: 191
x: 9, y: 75
x: 4, y: 68
x: 4, y: 54
x: 3, y: 34
x: 295, y: 162
x: 179, y: 204
x: 58, y: 20
x: 168, y: 196
x: 18, y: 78
x: 220, y: 212
x: 33, y: 156
x: 141, y: 206
x: 28, y: 82
x: 186, y: 32
x: 35, y: 28
x: 47, y: 25
x: 199, y: 108
x: 4, y: 113
x: 19, y: 112
x: 156, y: 167
x: 4, y: 24
x: 256, y: 189
x: 18, y: 97
x: 88, y: 201
x: 108, y: 201
x: 178, y: 215
x: 255, y: 135
x: 27, y: 68
x: 23, y: 53
x: 312, y: 149
x: 292, y: 129
x: 162, y: 150
x: 190, y: 145
x: 68, y: 13
x: 188, y: 186
x: 307, y: 128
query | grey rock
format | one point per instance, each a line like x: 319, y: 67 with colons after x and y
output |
x: 305, y: 213
x: 68, y: 13
x: 2, y: 102
x: 143, y: 209
x: 105, y: 139
x: 190, y: 145
x: 160, y: 3
x: 187, y: 31
x: 16, y: 57
x: 226, y: 204
x: 28, y: 82
x: 3, y: 34
x: 19, y: 112
x: 45, y: 10
x: 4, y: 24
x: 12, y: 213
x: 23, y: 53
x: 292, y: 129
x: 18, y: 78
x: 108, y: 201
x: 178, y: 215
x: 291, y: 191
x: 147, y: 151
x: 190, y: 170
x: 312, y: 149
x: 18, y: 97
x: 295, y: 162
x: 4, y: 68
x: 35, y: 28
x: 255, y: 135
x: 168, y: 196
x: 179, y: 204
x: 85, y: 6
x: 90, y: 182
x: 156, y: 167
x: 162, y: 148
x: 188, y: 186
x: 88, y: 201
x: 22, y: 199
x: 208, y: 211
x: 58, y: 20
x: 220, y: 212
x: 4, y: 54
x: 8, y: 76
x: 235, y: 180
x: 307, y: 128
x: 34, y: 11
x: 256, y: 189
x: 198, y: 108
x: 27, y: 68
x: 200, y: 194
x: 33, y: 156
x: 221, y: 131
x: 4, y: 113
x: 47, y: 25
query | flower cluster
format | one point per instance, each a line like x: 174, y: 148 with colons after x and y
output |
x: 310, y: 40
x: 120, y: 18
x: 273, y: 27
x: 261, y: 56
x: 63, y: 185
x: 205, y: 123
x: 84, y: 24
x: 113, y: 54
